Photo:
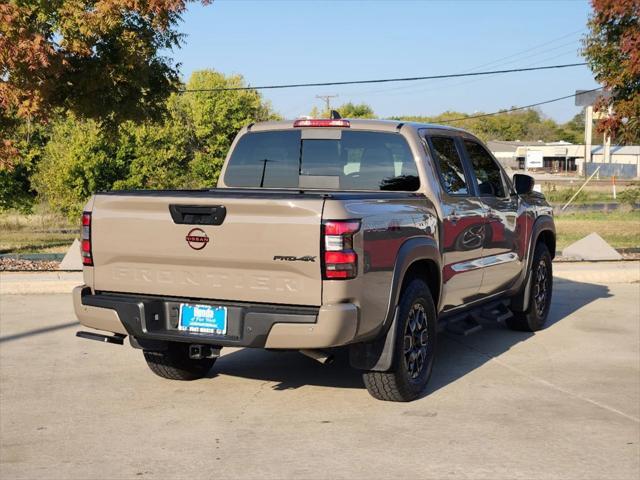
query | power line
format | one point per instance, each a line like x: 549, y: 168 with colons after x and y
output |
x: 530, y: 49
x: 382, y: 80
x: 498, y: 63
x: 516, y: 108
x: 410, y: 89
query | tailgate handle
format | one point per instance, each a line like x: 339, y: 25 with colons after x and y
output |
x: 198, y: 214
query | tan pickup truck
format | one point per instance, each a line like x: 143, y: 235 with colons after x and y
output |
x: 320, y: 234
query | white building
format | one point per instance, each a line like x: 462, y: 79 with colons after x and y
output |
x: 561, y: 157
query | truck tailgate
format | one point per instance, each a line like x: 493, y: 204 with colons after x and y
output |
x: 266, y: 250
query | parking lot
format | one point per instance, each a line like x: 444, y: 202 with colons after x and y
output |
x: 563, y: 403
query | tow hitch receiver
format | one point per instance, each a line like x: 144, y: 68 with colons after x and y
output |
x: 198, y: 352
x: 116, y: 338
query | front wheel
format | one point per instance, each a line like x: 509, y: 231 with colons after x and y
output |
x: 414, y: 348
x: 535, y: 316
x: 175, y: 364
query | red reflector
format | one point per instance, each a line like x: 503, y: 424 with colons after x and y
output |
x: 338, y: 274
x: 340, y: 257
x: 322, y: 122
x: 86, y: 219
x: 341, y: 228
x: 86, y: 246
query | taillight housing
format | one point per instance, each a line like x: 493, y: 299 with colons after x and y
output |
x: 340, y: 261
x: 85, y: 241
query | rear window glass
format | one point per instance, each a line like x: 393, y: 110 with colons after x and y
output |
x: 359, y: 160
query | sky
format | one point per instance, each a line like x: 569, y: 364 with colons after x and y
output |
x: 299, y: 41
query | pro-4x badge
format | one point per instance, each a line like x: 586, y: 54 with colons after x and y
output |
x: 290, y: 258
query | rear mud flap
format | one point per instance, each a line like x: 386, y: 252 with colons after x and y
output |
x: 376, y: 355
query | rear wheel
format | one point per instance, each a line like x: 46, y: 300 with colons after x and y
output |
x: 175, y: 364
x: 414, y: 348
x: 535, y: 316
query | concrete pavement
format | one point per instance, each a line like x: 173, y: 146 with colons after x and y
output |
x: 563, y: 403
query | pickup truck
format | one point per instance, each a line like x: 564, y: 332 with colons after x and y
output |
x: 365, y: 234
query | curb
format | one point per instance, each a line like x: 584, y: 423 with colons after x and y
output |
x: 27, y: 283
x: 598, y: 272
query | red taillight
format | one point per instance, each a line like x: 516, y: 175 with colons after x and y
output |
x: 340, y: 261
x: 87, y: 256
x: 321, y: 122
x: 340, y: 228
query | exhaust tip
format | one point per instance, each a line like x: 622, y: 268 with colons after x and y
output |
x: 319, y: 356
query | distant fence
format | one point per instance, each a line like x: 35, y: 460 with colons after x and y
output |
x: 608, y: 170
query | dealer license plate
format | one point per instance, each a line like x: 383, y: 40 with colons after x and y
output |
x: 203, y: 319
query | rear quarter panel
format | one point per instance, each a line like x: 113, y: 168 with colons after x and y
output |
x: 386, y: 223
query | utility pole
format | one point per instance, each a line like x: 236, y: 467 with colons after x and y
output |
x: 607, y: 142
x: 586, y: 99
x: 327, y: 100
x: 588, y: 129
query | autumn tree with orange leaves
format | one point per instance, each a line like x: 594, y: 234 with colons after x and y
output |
x: 612, y: 48
x: 100, y: 59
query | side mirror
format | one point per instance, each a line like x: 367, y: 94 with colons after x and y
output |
x: 523, y: 183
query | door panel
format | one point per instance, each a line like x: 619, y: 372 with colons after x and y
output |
x: 463, y: 227
x: 463, y: 241
x: 505, y: 221
x: 502, y: 256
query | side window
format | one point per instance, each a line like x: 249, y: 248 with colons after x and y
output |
x: 488, y: 174
x: 449, y: 165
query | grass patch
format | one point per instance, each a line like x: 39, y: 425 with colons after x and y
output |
x: 590, y: 194
x: 619, y: 229
x: 37, y: 233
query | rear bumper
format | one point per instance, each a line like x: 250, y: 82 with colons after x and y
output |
x: 249, y: 325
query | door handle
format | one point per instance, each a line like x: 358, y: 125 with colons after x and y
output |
x: 198, y: 214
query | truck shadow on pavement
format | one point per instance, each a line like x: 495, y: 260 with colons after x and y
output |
x: 457, y: 355
x: 38, y: 331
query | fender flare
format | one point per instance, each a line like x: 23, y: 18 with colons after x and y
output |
x: 377, y: 355
x: 544, y: 223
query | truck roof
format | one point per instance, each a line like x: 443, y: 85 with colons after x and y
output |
x: 356, y: 124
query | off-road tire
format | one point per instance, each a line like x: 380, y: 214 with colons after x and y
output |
x: 397, y: 384
x: 175, y: 364
x: 535, y: 316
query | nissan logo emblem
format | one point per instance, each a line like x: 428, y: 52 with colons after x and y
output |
x: 197, y: 238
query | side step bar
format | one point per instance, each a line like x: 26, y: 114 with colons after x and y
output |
x: 116, y: 338
x: 464, y: 326
x: 471, y: 321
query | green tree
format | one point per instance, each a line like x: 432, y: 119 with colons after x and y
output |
x: 346, y: 110
x: 356, y: 110
x: 612, y: 48
x: 216, y: 117
x: 78, y: 160
x: 573, y: 130
x: 526, y: 125
x: 24, y: 142
x: 158, y: 154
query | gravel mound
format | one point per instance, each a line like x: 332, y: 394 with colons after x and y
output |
x: 13, y: 264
